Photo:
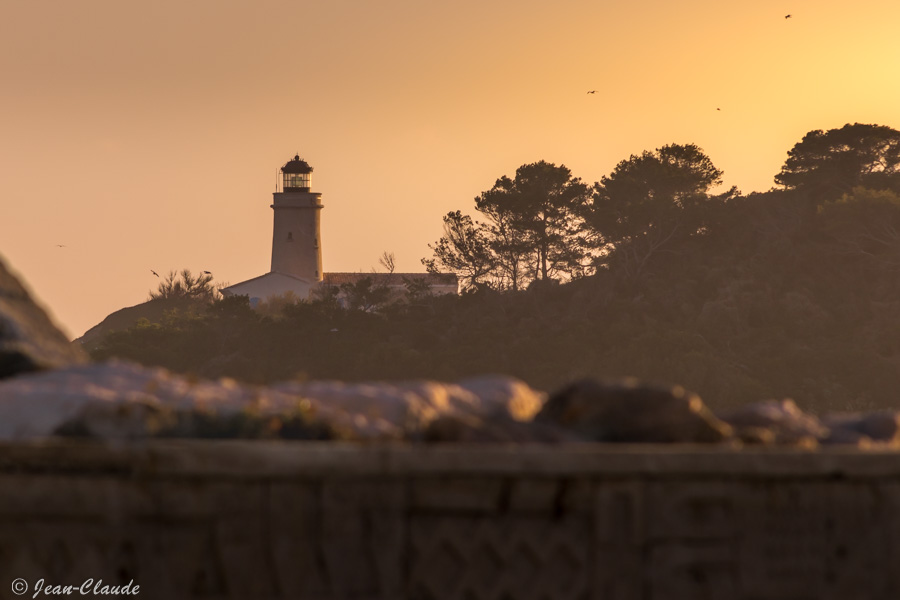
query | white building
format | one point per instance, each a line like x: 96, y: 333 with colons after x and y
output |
x: 297, y: 248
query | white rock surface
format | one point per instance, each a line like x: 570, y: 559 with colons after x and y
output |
x: 403, y: 410
x: 117, y: 396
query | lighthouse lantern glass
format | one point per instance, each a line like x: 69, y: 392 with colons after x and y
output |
x: 296, y: 181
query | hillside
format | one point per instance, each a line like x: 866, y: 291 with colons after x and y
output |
x: 153, y: 311
x: 777, y: 299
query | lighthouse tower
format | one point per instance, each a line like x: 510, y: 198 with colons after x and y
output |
x: 297, y: 249
x: 296, y: 236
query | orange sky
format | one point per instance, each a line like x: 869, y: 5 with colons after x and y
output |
x: 147, y: 135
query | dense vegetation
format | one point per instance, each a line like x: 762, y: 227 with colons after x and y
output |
x: 790, y: 293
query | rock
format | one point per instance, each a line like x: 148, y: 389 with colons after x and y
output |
x: 504, y: 396
x: 406, y: 410
x: 880, y: 426
x: 119, y: 399
x: 29, y: 341
x: 847, y: 437
x: 787, y: 423
x: 631, y: 412
x: 124, y: 400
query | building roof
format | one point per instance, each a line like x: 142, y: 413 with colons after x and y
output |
x: 270, y: 284
x: 296, y: 165
x: 433, y: 279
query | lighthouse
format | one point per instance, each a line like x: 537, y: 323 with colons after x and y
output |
x: 297, y: 249
x: 296, y: 233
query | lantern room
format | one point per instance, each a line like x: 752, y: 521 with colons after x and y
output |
x: 296, y: 175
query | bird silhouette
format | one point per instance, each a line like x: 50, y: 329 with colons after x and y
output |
x: 592, y: 92
x: 206, y: 272
x: 787, y: 16
x: 60, y: 245
x: 718, y: 109
x: 154, y: 272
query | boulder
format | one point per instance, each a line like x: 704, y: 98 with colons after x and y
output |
x: 782, y: 418
x: 124, y: 400
x: 881, y: 426
x: 406, y: 410
x: 847, y: 437
x: 629, y: 411
x: 29, y: 341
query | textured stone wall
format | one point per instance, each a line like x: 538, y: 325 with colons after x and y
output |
x: 249, y: 520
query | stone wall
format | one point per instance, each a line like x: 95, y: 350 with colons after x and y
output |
x: 247, y: 520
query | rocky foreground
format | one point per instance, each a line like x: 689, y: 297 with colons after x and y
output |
x: 47, y: 388
x: 122, y: 400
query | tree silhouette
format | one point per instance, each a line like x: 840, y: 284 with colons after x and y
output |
x: 649, y: 201
x: 533, y: 231
x: 387, y: 261
x: 186, y: 285
x: 831, y: 163
x: 535, y: 221
x: 464, y: 249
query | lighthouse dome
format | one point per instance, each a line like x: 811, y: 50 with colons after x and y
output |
x: 296, y: 165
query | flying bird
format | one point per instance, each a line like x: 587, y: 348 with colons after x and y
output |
x: 787, y: 16
x: 60, y: 245
x: 154, y: 272
x: 592, y: 92
x: 718, y: 109
x: 206, y: 272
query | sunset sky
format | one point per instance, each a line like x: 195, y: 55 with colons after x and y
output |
x: 147, y: 135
